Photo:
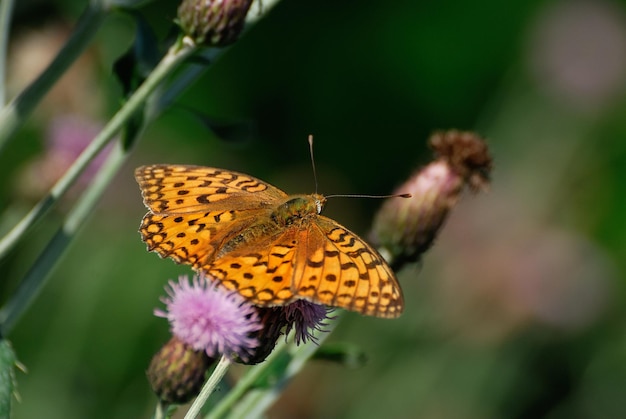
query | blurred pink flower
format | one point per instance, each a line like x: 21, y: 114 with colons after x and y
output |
x: 65, y: 139
x: 578, y: 52
x: 504, y: 271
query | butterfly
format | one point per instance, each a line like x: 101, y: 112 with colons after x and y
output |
x: 271, y: 247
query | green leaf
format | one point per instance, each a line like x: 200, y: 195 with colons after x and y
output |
x: 236, y: 131
x: 7, y: 378
x: 134, y: 66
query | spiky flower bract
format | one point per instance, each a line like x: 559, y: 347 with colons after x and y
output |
x: 177, y: 371
x: 213, y: 22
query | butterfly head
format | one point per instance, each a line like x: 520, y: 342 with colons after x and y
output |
x: 298, y: 208
x: 320, y: 201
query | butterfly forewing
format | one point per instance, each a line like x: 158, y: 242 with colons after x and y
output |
x: 176, y: 189
x: 195, y: 237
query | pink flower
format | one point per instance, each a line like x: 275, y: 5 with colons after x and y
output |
x: 210, y: 318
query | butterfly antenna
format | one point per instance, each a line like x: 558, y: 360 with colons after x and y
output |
x: 312, y: 160
x: 398, y: 195
x: 403, y: 195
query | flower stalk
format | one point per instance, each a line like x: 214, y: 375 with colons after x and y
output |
x: 255, y: 404
x: 172, y: 59
x: 208, y: 388
x: 34, y: 279
x: 6, y: 9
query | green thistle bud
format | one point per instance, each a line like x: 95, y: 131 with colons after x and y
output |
x: 405, y: 228
x: 176, y: 372
x: 213, y: 22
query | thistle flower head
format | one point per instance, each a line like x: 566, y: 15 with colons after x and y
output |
x: 405, y: 228
x: 177, y: 371
x: 209, y: 318
x: 466, y: 154
x: 302, y: 316
x: 213, y: 22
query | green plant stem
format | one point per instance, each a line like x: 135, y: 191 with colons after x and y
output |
x: 161, y: 411
x: 42, y: 268
x: 175, y: 56
x: 177, y: 53
x: 260, y: 8
x: 208, y: 388
x: 15, y: 112
x: 33, y: 281
x: 6, y: 9
x: 263, y: 398
x: 245, y: 383
x: 260, y: 400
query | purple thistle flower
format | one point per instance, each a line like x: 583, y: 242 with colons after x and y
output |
x: 305, y: 317
x: 210, y: 318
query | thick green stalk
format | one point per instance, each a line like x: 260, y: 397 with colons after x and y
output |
x: 6, y: 8
x: 34, y: 279
x: 174, y: 57
x: 257, y: 403
x: 245, y: 383
x: 208, y: 388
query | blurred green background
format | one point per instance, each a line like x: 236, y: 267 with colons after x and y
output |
x: 516, y: 312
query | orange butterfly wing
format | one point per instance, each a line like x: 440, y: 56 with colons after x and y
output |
x: 181, y: 189
x: 347, y: 272
x: 262, y: 271
x: 219, y: 222
x: 193, y: 209
x: 324, y: 263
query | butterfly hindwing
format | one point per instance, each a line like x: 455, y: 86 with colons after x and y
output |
x: 324, y: 263
x: 262, y: 271
x: 345, y: 271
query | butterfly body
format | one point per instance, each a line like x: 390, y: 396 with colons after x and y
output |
x: 298, y: 209
x: 270, y: 247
